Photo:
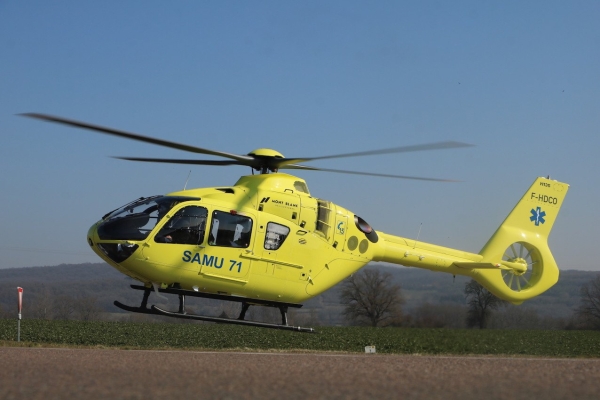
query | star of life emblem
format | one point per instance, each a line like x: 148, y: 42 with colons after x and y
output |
x: 537, y: 216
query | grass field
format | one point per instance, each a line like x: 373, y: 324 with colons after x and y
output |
x: 340, y: 339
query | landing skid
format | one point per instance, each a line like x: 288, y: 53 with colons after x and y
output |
x: 160, y: 311
x: 135, y: 309
x: 246, y: 303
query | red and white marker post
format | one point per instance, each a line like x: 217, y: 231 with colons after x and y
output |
x: 20, y: 291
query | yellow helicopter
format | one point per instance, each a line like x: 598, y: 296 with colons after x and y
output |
x: 267, y: 241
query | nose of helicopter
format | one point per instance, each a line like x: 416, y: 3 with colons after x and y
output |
x: 91, y: 235
x: 92, y: 239
x: 113, y: 252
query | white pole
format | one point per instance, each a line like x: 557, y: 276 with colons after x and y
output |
x: 20, y: 292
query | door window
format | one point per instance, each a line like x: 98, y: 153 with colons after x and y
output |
x: 230, y: 230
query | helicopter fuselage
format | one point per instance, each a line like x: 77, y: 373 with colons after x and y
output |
x: 267, y: 238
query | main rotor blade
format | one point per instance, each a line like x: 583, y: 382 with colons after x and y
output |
x: 183, y: 161
x: 135, y: 136
x: 340, y: 171
x: 401, y: 149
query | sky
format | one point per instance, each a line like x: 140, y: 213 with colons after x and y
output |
x: 519, y: 80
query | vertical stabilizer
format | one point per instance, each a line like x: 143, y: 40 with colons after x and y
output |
x: 519, y: 247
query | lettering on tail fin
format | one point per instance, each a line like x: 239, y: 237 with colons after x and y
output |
x: 544, y: 198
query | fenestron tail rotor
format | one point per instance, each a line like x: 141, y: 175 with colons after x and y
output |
x: 263, y: 160
x: 529, y: 257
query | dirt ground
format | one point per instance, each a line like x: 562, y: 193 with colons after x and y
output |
x: 39, y: 373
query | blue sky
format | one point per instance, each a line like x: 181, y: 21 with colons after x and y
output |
x: 520, y: 80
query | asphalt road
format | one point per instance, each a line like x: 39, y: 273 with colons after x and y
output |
x: 38, y: 373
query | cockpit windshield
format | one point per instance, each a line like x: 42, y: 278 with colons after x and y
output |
x: 135, y: 221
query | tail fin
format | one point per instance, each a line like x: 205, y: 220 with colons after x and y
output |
x: 519, y: 248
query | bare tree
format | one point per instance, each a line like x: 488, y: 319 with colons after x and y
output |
x: 481, y: 303
x: 41, y: 305
x: 63, y: 307
x: 86, y: 308
x: 589, y: 306
x: 371, y: 298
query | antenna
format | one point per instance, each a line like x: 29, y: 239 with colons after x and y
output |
x: 188, y: 178
x: 421, y: 257
x: 418, y: 234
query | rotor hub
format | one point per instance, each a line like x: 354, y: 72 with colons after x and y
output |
x: 521, y: 261
x: 265, y: 160
x: 267, y: 153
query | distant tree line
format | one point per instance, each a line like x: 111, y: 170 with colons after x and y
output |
x: 371, y: 297
x: 587, y: 315
x: 63, y: 307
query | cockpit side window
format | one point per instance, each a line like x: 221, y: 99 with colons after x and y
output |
x: 275, y: 235
x: 187, y: 226
x: 230, y: 230
x: 135, y: 221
